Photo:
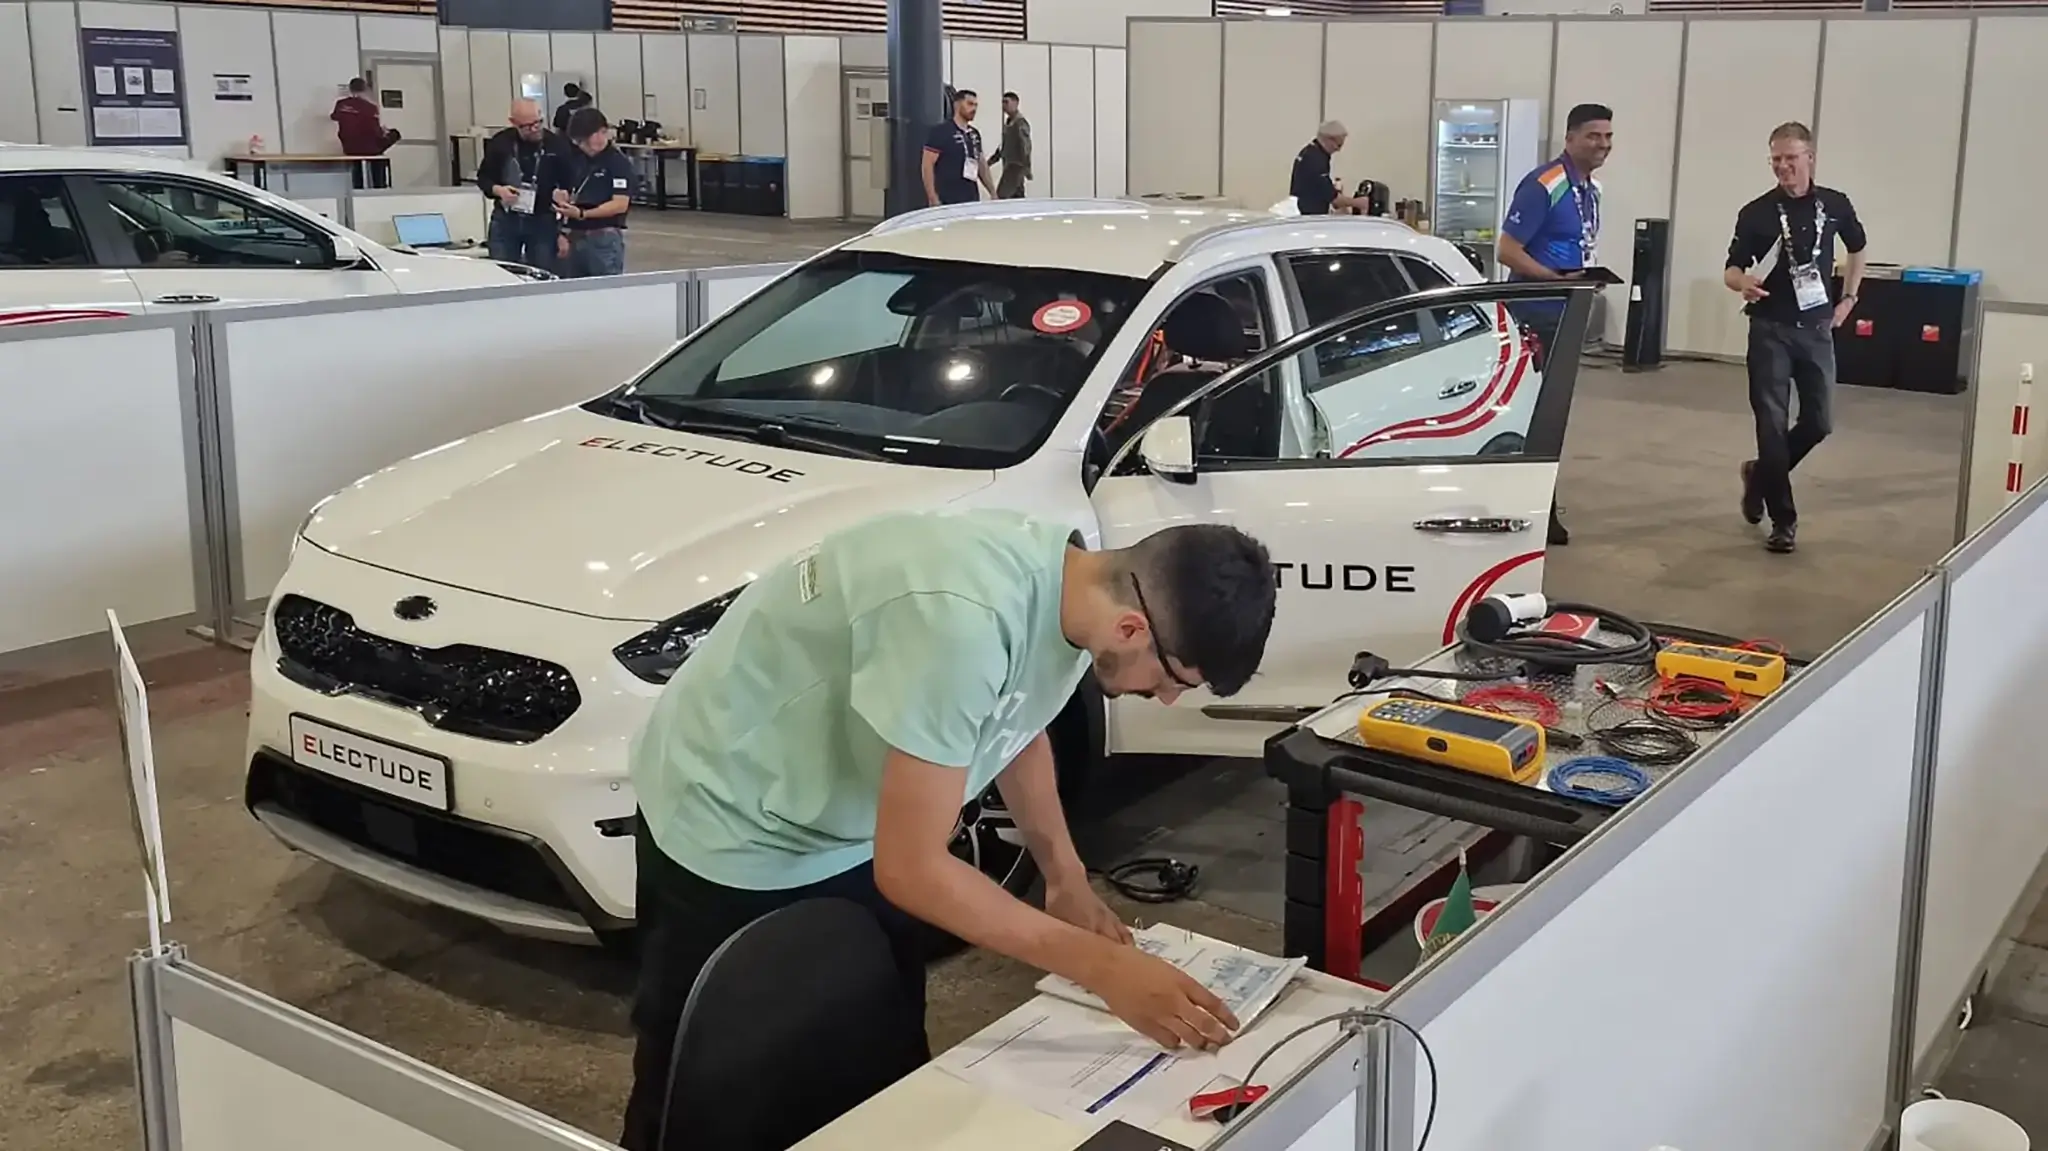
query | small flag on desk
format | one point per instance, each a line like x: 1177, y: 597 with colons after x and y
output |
x: 1457, y: 915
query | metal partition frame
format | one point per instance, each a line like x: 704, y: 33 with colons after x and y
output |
x: 164, y: 988
x: 1965, y: 555
x: 699, y: 315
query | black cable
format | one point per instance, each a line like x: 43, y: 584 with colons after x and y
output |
x: 1153, y: 880
x: 1643, y: 740
x: 1555, y: 649
x: 1355, y: 1015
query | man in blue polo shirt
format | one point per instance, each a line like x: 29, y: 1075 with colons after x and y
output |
x: 1553, y: 227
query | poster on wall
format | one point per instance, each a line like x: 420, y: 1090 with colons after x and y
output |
x: 133, y: 92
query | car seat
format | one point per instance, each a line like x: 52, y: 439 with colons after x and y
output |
x: 1202, y: 327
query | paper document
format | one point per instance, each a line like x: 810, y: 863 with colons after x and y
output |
x: 1066, y: 1061
x: 1244, y: 980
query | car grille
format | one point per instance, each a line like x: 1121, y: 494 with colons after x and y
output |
x: 444, y: 845
x: 468, y: 690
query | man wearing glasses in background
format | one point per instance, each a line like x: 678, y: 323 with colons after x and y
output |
x: 821, y: 739
x: 509, y: 173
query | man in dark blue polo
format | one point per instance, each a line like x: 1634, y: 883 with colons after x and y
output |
x: 1552, y: 228
x: 1314, y: 189
x: 955, y: 171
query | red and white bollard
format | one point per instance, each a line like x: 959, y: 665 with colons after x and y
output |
x: 2016, y: 463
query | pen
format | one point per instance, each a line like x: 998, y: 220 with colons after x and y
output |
x: 1150, y: 1066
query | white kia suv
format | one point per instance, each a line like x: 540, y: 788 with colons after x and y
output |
x: 463, y: 644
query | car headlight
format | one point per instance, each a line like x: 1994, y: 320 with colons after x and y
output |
x: 655, y: 654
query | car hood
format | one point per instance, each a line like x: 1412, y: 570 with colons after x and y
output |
x: 439, y: 271
x: 607, y: 518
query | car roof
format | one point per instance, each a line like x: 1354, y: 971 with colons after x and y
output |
x: 47, y: 157
x: 1122, y: 237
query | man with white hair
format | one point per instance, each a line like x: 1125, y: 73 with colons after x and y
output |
x: 1315, y: 191
x: 510, y: 173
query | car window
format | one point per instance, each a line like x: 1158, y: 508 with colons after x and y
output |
x: 1451, y: 323
x: 1208, y: 330
x: 37, y: 227
x: 174, y: 224
x: 936, y: 362
x: 1390, y: 398
x: 1334, y: 285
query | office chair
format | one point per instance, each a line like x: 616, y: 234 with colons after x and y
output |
x: 796, y: 1020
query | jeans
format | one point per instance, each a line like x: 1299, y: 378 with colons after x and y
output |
x: 523, y: 238
x: 683, y: 918
x: 1784, y: 356
x: 598, y: 252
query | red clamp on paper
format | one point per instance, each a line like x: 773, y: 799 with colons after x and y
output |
x: 1225, y: 1104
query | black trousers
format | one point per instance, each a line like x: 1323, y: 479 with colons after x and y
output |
x: 682, y: 919
x: 1784, y: 357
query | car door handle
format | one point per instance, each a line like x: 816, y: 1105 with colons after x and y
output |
x: 1473, y: 525
x: 186, y: 298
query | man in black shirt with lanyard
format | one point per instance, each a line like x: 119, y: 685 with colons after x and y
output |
x: 1781, y: 261
x: 522, y: 223
x: 1314, y: 189
x: 593, y: 194
x: 954, y: 171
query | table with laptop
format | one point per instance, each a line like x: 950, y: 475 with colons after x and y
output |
x: 430, y: 232
x: 1058, y: 1073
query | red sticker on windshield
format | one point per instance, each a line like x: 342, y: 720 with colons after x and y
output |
x: 1061, y: 316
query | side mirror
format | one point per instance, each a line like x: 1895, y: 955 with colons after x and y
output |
x: 1168, y: 449
x: 346, y: 253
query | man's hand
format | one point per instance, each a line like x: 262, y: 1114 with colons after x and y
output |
x: 1161, y: 1001
x: 1079, y: 905
x: 562, y: 200
x: 506, y: 196
x: 1749, y: 286
x: 562, y: 247
x: 1843, y: 309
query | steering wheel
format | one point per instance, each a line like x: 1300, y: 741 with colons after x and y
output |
x: 1014, y: 390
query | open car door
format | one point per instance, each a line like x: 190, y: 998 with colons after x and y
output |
x: 1425, y: 479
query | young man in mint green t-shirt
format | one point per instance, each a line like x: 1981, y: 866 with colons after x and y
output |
x: 822, y: 738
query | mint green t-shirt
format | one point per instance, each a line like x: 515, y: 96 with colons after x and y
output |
x: 935, y: 633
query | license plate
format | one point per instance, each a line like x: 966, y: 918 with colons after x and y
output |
x: 397, y: 771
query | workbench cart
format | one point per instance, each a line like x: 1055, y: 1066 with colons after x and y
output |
x: 1330, y: 775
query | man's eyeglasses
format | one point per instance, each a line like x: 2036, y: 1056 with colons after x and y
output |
x: 1158, y: 648
x: 523, y: 125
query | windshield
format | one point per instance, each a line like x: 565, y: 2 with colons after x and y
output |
x: 930, y: 362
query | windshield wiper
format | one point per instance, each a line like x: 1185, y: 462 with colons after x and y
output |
x: 731, y: 426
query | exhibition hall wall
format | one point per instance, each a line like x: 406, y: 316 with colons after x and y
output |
x: 1923, y: 119
x: 732, y: 94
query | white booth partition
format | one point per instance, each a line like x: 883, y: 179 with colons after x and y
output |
x: 1990, y: 809
x: 1717, y: 967
x: 220, y: 1067
x: 100, y: 474
x: 315, y: 396
x: 2003, y: 453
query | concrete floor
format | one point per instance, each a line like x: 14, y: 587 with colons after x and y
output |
x: 1650, y: 490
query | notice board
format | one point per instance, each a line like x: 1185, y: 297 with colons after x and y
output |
x: 134, y: 87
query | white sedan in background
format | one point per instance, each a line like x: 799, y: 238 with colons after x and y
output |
x: 463, y: 644
x: 99, y: 233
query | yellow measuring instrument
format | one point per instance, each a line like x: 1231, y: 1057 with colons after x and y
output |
x: 1488, y: 743
x: 1737, y: 669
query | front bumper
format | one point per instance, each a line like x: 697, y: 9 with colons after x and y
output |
x: 537, y: 838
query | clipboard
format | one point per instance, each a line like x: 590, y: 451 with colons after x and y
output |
x: 1599, y: 274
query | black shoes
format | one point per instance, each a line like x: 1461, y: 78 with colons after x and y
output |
x: 1752, y: 499
x: 1783, y: 539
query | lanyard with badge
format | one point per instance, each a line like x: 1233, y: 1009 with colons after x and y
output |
x: 1587, y: 198
x: 524, y: 202
x: 968, y: 169
x: 1809, y: 290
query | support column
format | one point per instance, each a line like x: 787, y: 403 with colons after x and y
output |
x: 916, y: 97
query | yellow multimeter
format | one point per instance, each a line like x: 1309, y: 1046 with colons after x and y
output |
x: 1487, y: 743
x: 1737, y: 669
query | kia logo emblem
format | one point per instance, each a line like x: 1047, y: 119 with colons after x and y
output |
x: 413, y: 607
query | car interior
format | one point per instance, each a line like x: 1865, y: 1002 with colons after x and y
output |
x: 30, y: 232
x: 1206, y: 333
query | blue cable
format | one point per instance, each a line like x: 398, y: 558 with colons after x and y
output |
x: 1564, y: 779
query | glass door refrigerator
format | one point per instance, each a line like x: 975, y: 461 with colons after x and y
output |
x: 1482, y: 148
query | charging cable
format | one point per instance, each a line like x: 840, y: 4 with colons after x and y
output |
x: 1153, y: 880
x: 1603, y: 779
